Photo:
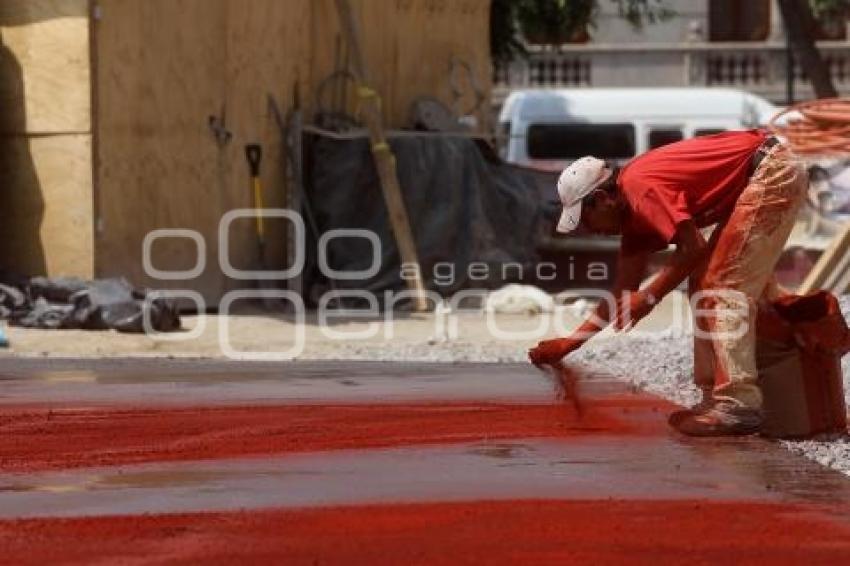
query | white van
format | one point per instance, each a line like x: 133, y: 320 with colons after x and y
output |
x: 547, y: 129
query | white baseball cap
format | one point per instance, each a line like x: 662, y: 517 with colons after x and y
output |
x: 576, y: 182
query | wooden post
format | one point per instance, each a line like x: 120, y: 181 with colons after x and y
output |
x: 385, y: 163
x: 832, y: 270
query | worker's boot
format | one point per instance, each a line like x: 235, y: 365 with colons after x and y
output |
x: 725, y: 417
x: 705, y: 403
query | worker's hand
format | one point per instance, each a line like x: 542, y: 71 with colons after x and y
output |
x: 550, y: 352
x: 632, y: 308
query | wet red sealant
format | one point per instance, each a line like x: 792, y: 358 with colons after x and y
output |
x: 39, y: 438
x: 511, y: 532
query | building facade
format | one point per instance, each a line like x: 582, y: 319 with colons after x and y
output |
x: 723, y: 43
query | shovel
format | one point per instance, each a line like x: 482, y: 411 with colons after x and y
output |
x: 254, y: 155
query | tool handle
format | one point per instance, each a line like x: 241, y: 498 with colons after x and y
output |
x: 254, y: 154
x: 258, y: 206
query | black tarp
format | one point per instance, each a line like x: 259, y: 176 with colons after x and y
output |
x: 465, y: 206
x: 72, y: 303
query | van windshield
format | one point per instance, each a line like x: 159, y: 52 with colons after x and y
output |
x: 571, y: 141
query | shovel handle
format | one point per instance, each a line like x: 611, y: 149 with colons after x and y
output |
x: 258, y: 206
x: 254, y: 155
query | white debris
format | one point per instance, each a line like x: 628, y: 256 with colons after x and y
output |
x: 441, y: 314
x: 519, y: 299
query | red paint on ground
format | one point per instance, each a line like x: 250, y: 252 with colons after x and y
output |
x: 34, y: 439
x: 514, y: 532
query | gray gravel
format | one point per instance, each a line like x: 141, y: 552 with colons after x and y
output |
x: 665, y: 367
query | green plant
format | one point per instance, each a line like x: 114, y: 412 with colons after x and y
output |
x: 558, y: 21
x: 505, y: 44
x: 554, y: 21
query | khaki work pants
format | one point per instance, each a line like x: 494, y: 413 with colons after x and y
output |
x: 738, y: 272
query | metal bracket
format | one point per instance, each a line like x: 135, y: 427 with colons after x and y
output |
x: 218, y: 126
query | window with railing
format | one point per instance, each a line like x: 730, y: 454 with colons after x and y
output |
x: 736, y: 68
x: 831, y: 26
x: 545, y: 69
x: 738, y: 20
x: 837, y: 63
x: 559, y: 71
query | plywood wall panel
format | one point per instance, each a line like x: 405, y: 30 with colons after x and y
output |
x: 159, y: 69
x: 46, y: 205
x: 162, y: 67
x: 408, y: 46
x: 267, y: 55
x: 44, y: 64
x: 46, y: 215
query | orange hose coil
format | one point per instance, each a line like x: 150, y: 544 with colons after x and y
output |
x: 822, y: 127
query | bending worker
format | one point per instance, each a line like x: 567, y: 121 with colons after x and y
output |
x: 747, y: 184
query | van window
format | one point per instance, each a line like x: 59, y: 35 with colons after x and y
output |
x: 708, y: 132
x: 571, y: 141
x: 664, y: 136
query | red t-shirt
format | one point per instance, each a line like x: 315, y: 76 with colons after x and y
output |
x: 699, y: 179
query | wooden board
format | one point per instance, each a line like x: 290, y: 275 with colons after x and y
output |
x: 159, y: 77
x: 832, y: 270
x: 428, y: 35
x: 409, y: 44
x: 44, y: 66
x: 45, y: 138
x: 266, y: 55
x: 47, y: 205
x: 163, y: 67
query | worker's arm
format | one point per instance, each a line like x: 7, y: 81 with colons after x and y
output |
x: 630, y: 272
x: 691, y: 248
